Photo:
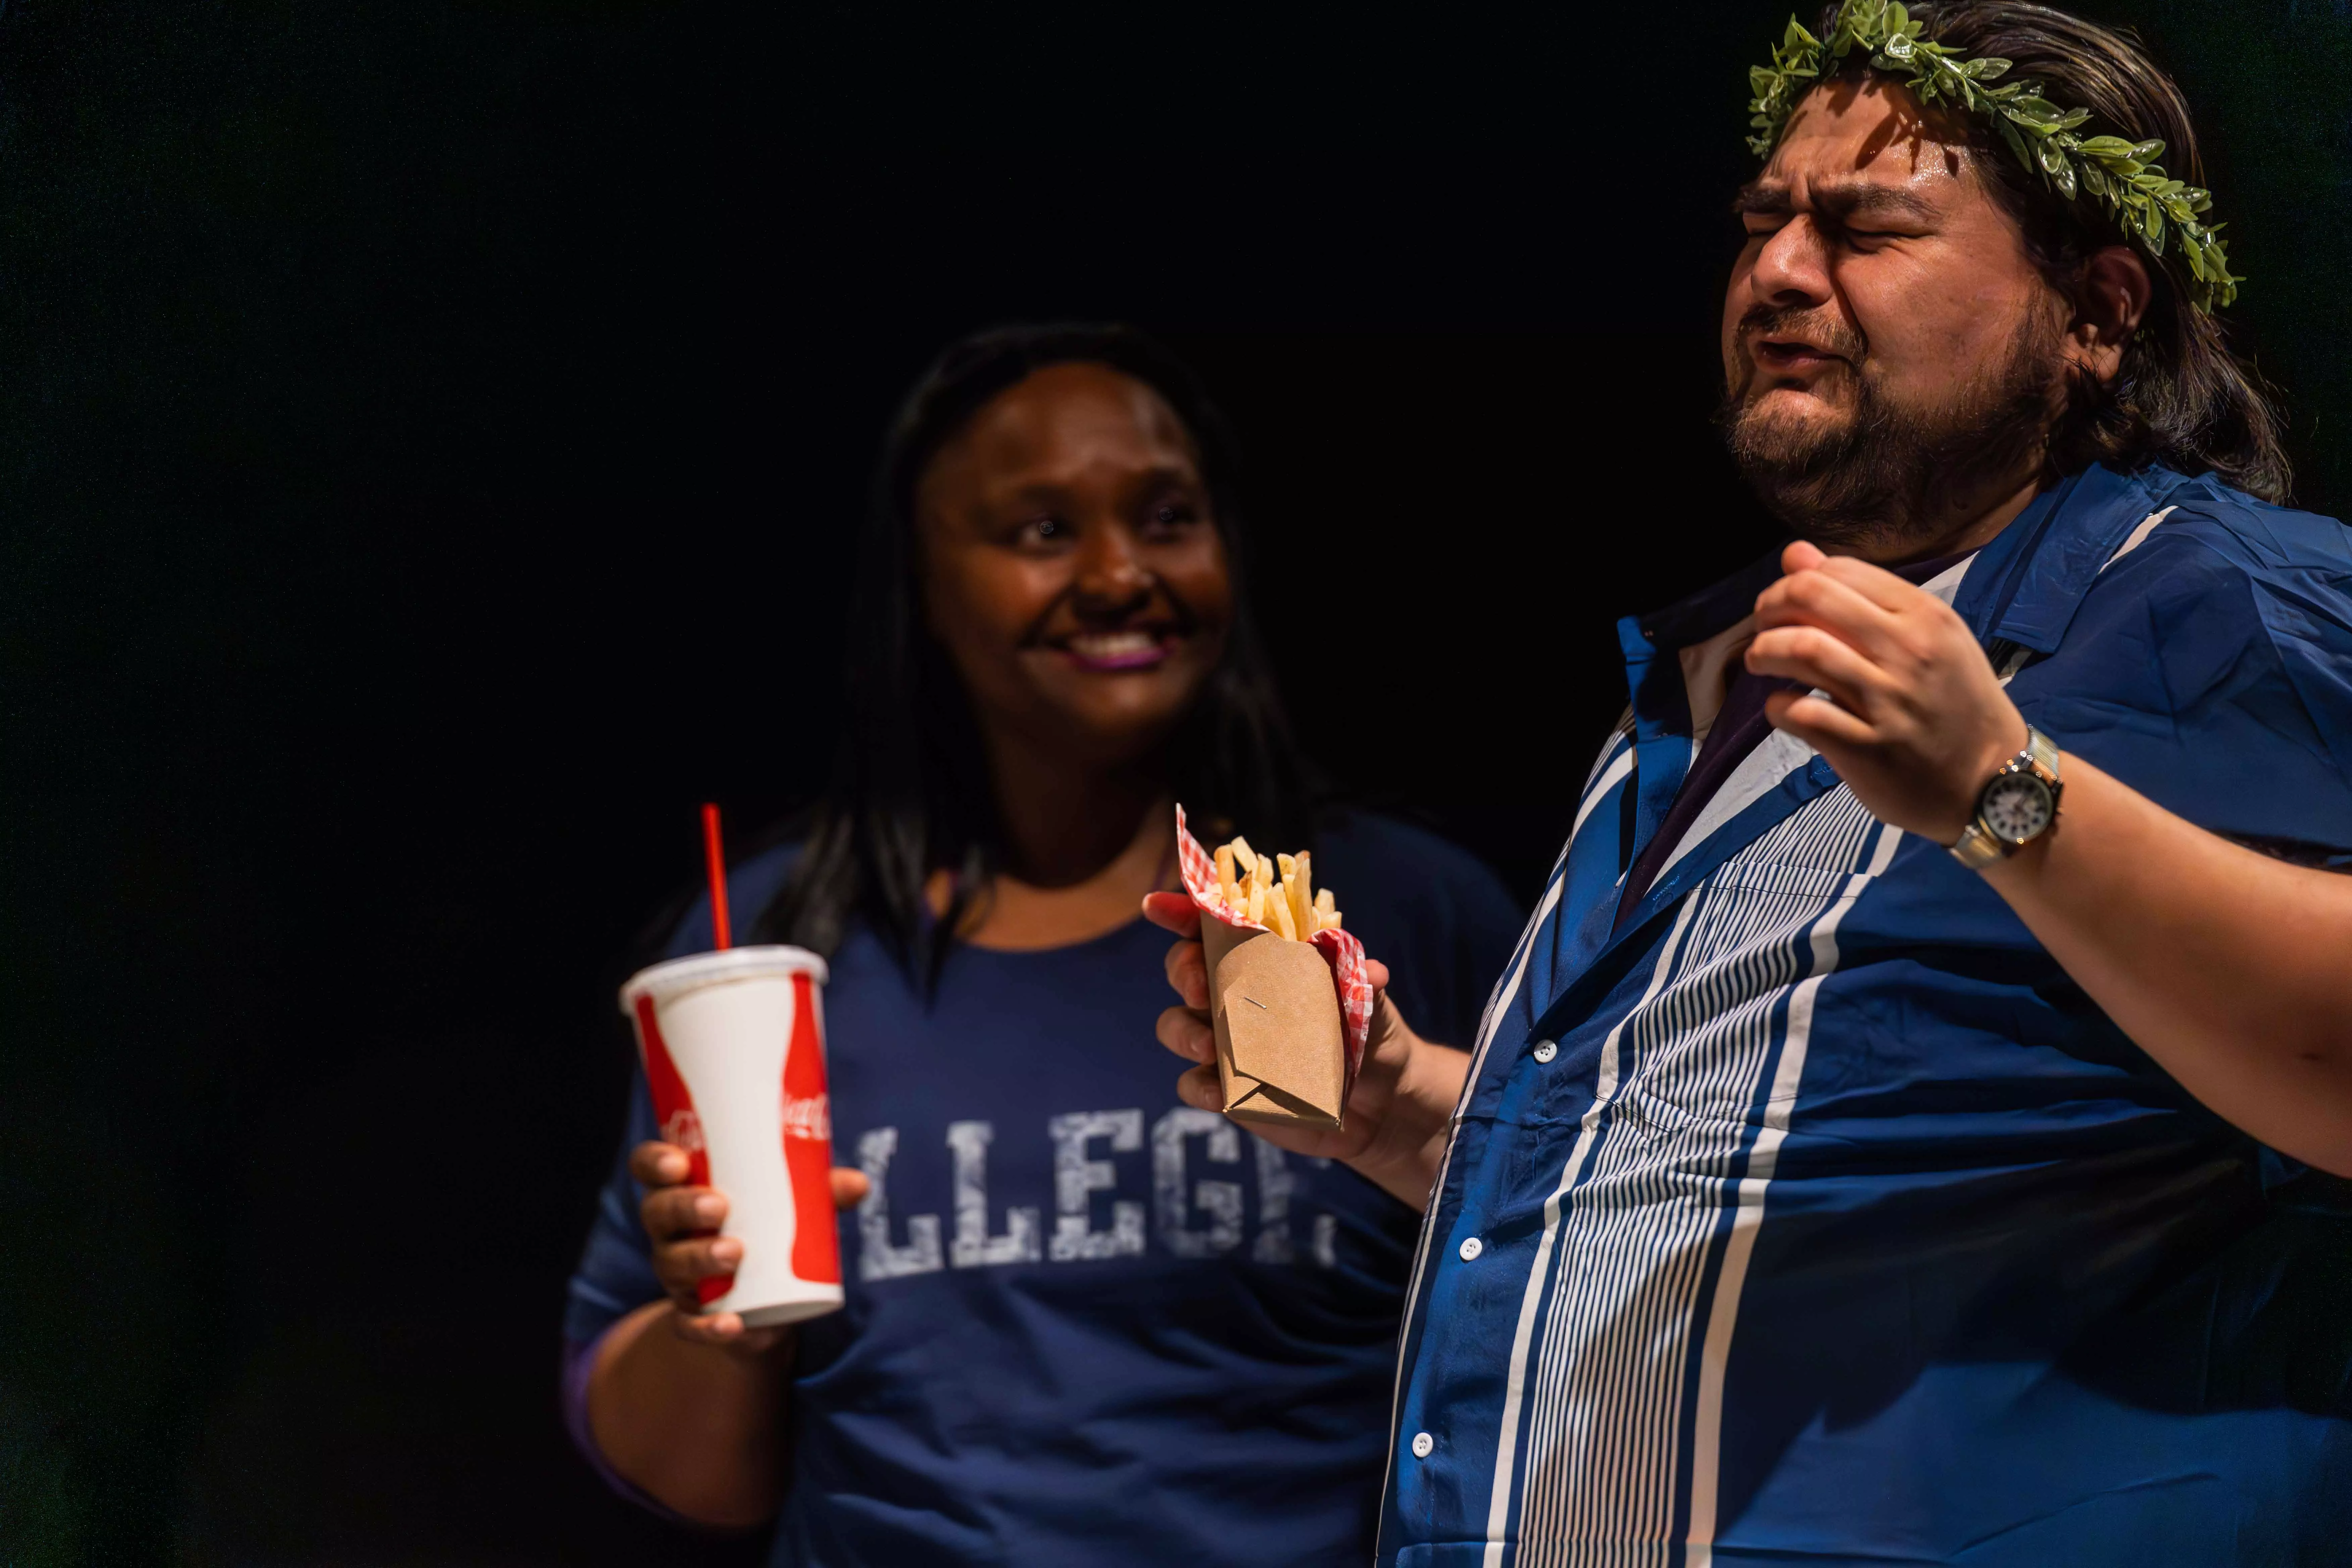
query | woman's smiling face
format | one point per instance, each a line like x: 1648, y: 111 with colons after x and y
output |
x: 1070, y: 564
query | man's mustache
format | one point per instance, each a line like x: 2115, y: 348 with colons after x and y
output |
x: 1803, y: 323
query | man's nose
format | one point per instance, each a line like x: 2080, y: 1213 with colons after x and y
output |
x: 1112, y: 578
x: 1793, y: 266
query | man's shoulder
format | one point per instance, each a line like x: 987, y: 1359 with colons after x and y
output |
x: 2211, y: 563
x: 2208, y: 665
x: 2237, y: 531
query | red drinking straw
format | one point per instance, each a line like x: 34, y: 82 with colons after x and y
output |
x: 717, y: 858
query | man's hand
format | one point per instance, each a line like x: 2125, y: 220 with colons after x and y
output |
x: 1914, y: 720
x: 682, y: 1223
x: 1399, y: 1110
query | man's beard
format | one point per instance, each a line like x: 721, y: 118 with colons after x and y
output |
x: 1873, y: 481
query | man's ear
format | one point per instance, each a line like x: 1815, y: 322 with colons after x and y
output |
x: 2108, y: 304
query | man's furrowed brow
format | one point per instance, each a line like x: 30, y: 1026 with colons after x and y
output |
x: 1837, y: 200
x: 1866, y: 198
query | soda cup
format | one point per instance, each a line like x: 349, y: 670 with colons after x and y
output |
x: 733, y: 1046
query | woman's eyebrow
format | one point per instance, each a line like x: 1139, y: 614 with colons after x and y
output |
x: 1161, y: 475
x: 1052, y: 492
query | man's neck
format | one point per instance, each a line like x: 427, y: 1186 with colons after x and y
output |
x: 1968, y: 522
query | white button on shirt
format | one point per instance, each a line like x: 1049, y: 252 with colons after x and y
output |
x: 1545, y: 1050
x: 1471, y: 1247
x: 1422, y: 1444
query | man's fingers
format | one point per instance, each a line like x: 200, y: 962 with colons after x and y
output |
x: 1812, y: 655
x: 1174, y: 911
x: 673, y: 1212
x: 1800, y: 556
x: 1876, y: 584
x: 1187, y: 1033
x: 1818, y: 599
x: 1377, y: 973
x: 1820, y: 724
x: 658, y: 1164
x: 1188, y: 973
x: 849, y: 1188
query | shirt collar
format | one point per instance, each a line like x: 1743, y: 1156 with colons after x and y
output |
x: 1705, y: 614
x: 2026, y: 584
x: 2023, y: 587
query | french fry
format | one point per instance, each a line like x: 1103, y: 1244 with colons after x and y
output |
x: 1277, y: 909
x: 1276, y: 891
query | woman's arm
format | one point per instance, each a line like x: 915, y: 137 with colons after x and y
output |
x: 696, y: 1426
x: 2232, y: 970
x: 688, y: 1409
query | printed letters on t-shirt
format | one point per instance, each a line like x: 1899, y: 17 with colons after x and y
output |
x: 1198, y: 1202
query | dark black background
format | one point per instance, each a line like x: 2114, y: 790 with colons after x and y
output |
x: 432, y: 436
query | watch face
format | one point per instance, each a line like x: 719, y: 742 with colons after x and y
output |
x: 2017, y: 808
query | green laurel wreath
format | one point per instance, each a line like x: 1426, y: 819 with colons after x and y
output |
x: 2123, y: 175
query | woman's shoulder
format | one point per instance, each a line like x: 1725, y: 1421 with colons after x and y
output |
x: 1368, y: 855
x: 1434, y: 912
x: 752, y: 884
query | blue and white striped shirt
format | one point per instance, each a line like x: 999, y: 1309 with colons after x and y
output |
x: 1814, y: 1216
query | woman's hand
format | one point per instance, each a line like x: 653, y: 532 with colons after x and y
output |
x: 700, y: 1433
x: 1915, y: 721
x: 682, y: 1223
x: 1402, y: 1102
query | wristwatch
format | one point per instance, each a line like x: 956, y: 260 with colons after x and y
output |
x: 2017, y: 806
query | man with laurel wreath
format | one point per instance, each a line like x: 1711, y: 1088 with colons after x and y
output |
x: 1910, y: 1128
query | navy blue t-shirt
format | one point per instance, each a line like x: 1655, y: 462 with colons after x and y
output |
x: 1087, y: 1322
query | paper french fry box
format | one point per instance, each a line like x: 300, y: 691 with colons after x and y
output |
x: 1291, y: 1017
x: 1280, y: 1054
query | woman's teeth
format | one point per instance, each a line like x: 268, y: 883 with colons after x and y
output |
x: 1113, y: 645
x: 1116, y: 650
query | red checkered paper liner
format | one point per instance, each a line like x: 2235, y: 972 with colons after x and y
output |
x: 1341, y: 949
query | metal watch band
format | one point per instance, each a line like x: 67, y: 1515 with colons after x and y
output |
x: 1977, y: 850
x: 1978, y: 845
x: 2040, y: 755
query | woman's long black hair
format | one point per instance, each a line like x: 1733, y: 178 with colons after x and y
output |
x: 910, y: 791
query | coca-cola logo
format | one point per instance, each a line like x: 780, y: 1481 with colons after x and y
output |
x: 809, y: 1118
x: 684, y: 1129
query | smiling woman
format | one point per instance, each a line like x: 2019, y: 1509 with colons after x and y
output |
x: 1052, y: 646
x: 1053, y: 635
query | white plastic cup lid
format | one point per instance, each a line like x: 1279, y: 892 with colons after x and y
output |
x: 677, y: 976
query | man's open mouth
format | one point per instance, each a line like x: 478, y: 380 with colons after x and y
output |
x: 1791, y: 353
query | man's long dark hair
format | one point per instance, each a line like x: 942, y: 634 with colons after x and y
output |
x: 2181, y: 398
x: 911, y: 792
